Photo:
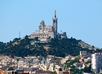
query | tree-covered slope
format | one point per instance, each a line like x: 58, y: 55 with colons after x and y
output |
x: 57, y: 47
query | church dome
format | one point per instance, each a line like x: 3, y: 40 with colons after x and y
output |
x: 42, y: 23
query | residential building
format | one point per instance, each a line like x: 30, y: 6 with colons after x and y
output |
x: 96, y: 62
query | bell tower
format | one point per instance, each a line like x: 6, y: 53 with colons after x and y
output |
x: 55, y: 23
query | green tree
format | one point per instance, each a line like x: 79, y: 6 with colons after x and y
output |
x: 36, y: 38
x: 87, y: 69
x: 54, y: 72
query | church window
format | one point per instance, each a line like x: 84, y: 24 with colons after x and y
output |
x: 40, y: 28
x: 54, y: 21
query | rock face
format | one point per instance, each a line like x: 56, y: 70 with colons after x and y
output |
x: 86, y: 45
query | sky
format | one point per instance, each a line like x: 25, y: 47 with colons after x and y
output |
x: 81, y: 19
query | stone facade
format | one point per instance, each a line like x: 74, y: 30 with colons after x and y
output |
x: 47, y: 32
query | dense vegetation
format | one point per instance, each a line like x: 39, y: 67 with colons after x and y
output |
x: 57, y: 47
x: 64, y: 47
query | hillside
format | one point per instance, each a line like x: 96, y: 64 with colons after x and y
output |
x: 56, y: 47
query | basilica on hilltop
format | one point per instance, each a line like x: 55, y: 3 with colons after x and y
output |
x: 46, y: 32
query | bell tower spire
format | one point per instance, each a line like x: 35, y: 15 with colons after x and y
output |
x: 55, y: 13
x: 55, y: 23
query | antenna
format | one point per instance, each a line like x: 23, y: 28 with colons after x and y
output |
x: 19, y: 34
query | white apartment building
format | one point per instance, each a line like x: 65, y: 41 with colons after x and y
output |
x: 96, y: 62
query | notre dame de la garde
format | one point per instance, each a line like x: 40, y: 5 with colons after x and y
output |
x: 46, y: 32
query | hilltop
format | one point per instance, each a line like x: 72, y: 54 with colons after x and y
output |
x: 57, y: 47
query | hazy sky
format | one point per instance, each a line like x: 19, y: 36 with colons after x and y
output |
x: 81, y: 19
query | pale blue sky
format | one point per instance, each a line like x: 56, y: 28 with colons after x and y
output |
x: 81, y: 19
